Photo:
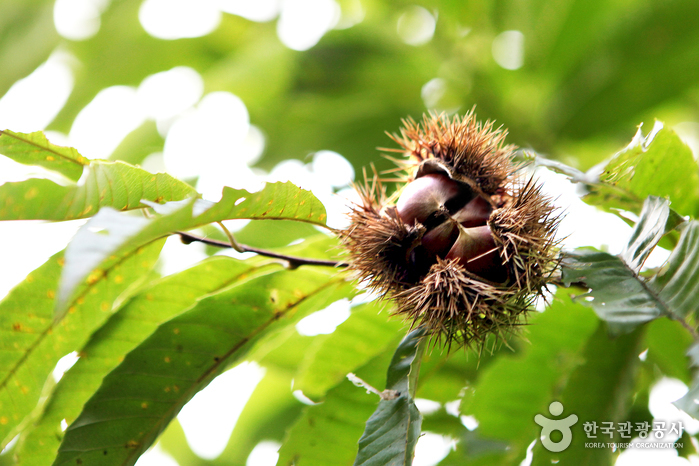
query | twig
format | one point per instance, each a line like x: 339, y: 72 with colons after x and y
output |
x: 293, y: 261
x: 234, y: 243
x: 385, y: 395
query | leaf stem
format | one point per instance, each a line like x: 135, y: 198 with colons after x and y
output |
x: 293, y: 261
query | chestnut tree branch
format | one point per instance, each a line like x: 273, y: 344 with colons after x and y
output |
x: 293, y: 261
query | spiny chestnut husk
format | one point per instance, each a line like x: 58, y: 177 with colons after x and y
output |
x: 466, y: 243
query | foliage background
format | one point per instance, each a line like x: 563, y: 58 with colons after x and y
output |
x: 590, y: 72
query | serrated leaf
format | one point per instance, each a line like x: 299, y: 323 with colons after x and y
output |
x: 392, y: 431
x: 106, y: 184
x: 651, y: 226
x: 129, y: 326
x: 624, y: 299
x: 33, y: 341
x: 678, y: 286
x: 108, y: 236
x: 618, y: 294
x: 391, y: 434
x: 35, y: 149
x: 138, y: 398
x: 658, y: 165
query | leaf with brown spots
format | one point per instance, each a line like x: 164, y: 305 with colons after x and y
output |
x: 32, y: 341
x: 106, y: 184
x: 219, y: 330
x: 35, y: 149
x: 90, y: 253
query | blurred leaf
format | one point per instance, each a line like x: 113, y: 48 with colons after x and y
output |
x: 658, y: 165
x: 174, y: 442
x: 318, y: 246
x: 269, y: 412
x: 668, y: 342
x: 91, y: 254
x: 123, y: 53
x: 27, y: 38
x: 688, y: 402
x: 443, y: 423
x: 513, y: 389
x: 599, y: 390
x: 392, y: 431
x: 364, y: 335
x: 636, y: 60
x: 138, y: 398
x: 139, y: 144
x: 35, y: 149
x: 132, y: 323
x: 444, y: 375
x: 107, y: 184
x: 33, y: 341
x: 337, y: 422
x: 273, y: 233
x: 475, y: 451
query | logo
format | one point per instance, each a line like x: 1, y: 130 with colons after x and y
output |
x: 550, y: 425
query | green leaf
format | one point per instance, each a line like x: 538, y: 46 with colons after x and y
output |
x: 599, y: 390
x: 267, y: 415
x: 91, y: 254
x: 677, y: 286
x: 365, y: 334
x: 651, y: 226
x: 619, y: 294
x: 391, y: 434
x: 668, y: 342
x: 35, y: 149
x: 106, y: 184
x: 514, y: 388
x: 658, y: 165
x: 133, y: 322
x: 624, y: 299
x: 337, y: 422
x: 138, y: 398
x: 392, y: 431
x: 688, y: 403
x: 33, y: 341
x: 273, y: 233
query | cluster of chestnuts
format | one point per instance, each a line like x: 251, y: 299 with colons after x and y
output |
x: 465, y: 244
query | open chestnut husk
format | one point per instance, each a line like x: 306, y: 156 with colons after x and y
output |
x: 465, y: 244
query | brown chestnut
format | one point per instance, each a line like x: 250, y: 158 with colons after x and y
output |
x: 476, y: 251
x: 426, y: 196
x: 439, y: 240
x: 474, y: 213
